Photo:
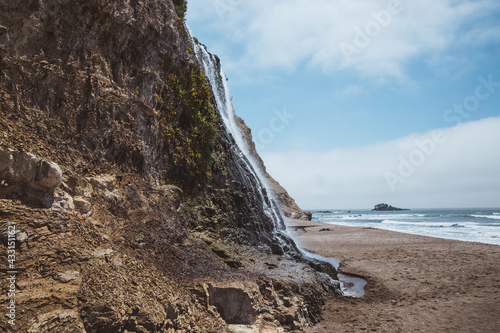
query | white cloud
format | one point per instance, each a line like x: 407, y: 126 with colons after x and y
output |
x: 263, y: 34
x: 461, y: 170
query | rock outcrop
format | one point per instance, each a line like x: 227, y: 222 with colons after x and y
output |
x: 288, y: 206
x: 131, y: 210
x: 28, y: 178
x: 386, y: 207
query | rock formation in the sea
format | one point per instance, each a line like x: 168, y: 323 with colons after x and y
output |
x: 386, y: 207
x: 130, y: 209
x: 288, y: 206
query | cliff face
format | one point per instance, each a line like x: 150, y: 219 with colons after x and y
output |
x: 132, y: 211
x: 288, y: 206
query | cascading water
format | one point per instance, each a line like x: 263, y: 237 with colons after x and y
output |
x: 217, y: 78
x: 222, y: 96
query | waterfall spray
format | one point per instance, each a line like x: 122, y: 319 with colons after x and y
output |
x: 222, y: 96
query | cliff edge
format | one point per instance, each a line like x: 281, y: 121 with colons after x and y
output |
x: 288, y: 206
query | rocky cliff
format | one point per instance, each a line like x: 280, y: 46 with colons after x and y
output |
x: 122, y: 196
x: 288, y: 206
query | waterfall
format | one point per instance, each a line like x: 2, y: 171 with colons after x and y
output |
x: 211, y: 66
x: 218, y: 81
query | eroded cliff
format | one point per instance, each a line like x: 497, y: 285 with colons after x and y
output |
x: 288, y: 206
x: 132, y: 211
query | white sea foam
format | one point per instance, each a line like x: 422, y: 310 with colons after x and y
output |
x: 427, y: 224
x: 396, y: 222
x: 496, y: 217
x: 378, y: 216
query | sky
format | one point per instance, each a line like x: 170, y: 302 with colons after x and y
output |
x: 355, y: 103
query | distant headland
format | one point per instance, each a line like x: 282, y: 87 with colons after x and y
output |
x: 386, y: 207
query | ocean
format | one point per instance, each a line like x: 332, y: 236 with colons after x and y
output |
x: 472, y: 224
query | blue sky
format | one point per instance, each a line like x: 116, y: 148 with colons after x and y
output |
x: 339, y: 93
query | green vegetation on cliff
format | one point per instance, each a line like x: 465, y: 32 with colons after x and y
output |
x: 188, y: 124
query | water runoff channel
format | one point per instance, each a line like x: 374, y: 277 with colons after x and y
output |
x: 351, y: 286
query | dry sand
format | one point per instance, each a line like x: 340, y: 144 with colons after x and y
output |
x: 415, y: 283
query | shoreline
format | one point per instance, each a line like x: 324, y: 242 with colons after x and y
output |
x: 415, y: 283
x: 469, y: 224
x: 293, y: 224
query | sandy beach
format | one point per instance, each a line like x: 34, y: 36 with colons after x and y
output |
x: 415, y: 283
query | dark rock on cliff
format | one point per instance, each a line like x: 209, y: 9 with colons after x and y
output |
x: 106, y: 105
x: 386, y: 207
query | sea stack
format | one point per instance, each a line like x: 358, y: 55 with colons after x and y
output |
x: 386, y: 207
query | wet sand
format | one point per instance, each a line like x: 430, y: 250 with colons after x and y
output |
x: 415, y: 283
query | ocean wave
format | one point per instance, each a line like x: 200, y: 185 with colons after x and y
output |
x: 496, y: 217
x: 346, y: 219
x: 377, y: 216
x: 428, y: 224
x: 396, y: 222
x: 493, y: 226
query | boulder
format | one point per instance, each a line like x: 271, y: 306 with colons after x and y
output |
x: 81, y: 187
x: 22, y: 237
x: 307, y: 215
x: 28, y: 178
x: 68, y: 276
x: 105, y: 185
x: 81, y: 205
x: 173, y: 194
x: 63, y: 200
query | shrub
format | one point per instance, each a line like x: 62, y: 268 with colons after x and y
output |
x: 180, y: 8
